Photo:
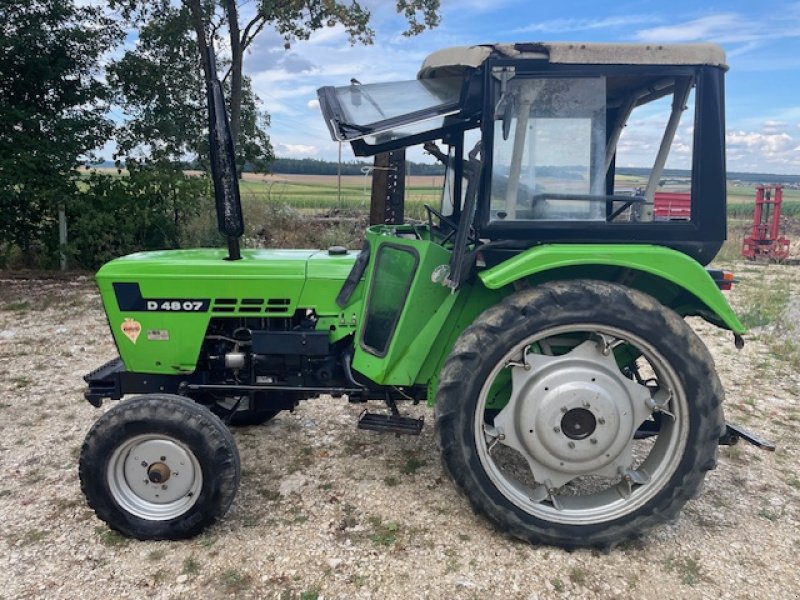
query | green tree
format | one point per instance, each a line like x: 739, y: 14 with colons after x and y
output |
x: 52, y: 109
x: 222, y: 23
x: 160, y: 86
x: 147, y: 209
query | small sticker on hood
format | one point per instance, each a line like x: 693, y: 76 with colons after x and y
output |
x: 158, y: 335
x: 131, y: 328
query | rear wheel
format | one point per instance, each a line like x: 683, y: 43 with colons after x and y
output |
x: 159, y: 467
x: 541, y: 408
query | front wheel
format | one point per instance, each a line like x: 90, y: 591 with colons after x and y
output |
x: 578, y: 414
x: 159, y: 467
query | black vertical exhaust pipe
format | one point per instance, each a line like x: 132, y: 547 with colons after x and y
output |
x: 223, y: 163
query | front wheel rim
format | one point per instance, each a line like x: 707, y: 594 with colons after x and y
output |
x: 154, y: 477
x: 660, y: 463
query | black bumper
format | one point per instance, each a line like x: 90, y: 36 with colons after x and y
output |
x: 105, y: 382
x: 114, y: 381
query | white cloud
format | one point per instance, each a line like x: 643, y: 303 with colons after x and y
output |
x: 313, y: 104
x: 328, y: 34
x: 555, y: 26
x: 476, y: 6
x: 770, y: 145
x: 728, y: 28
x: 762, y: 151
x: 773, y: 126
x: 712, y: 27
x: 296, y: 150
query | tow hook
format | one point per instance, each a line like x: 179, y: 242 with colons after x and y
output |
x: 733, y: 433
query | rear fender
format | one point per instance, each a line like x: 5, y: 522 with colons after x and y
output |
x: 673, y: 278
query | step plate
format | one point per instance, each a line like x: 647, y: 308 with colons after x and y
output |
x: 393, y: 423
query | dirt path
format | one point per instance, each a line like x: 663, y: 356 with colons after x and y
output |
x: 328, y: 511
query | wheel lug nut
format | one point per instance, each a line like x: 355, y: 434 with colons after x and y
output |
x: 557, y: 429
x: 601, y: 420
x: 593, y: 440
x: 571, y: 444
x: 586, y: 404
x: 144, y: 463
x: 563, y: 409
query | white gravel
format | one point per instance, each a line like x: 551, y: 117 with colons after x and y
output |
x: 327, y: 511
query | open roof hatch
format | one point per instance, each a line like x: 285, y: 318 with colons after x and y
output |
x: 384, y: 116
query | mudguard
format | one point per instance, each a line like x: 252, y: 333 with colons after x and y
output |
x: 663, y: 263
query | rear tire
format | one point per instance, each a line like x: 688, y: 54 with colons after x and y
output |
x: 159, y: 467
x: 574, y: 317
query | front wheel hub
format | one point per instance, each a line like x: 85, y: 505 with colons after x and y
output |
x: 154, y: 477
x: 158, y: 472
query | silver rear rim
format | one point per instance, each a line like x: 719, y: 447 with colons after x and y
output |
x: 562, y: 449
x: 154, y: 477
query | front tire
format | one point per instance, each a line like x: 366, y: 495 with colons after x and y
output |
x: 540, y: 402
x: 159, y: 467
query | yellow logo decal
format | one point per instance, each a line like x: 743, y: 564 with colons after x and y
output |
x: 131, y: 328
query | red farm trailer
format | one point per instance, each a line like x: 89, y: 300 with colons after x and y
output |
x: 673, y: 206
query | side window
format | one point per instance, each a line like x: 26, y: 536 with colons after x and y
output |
x: 667, y: 190
x: 549, y: 150
x: 391, y: 279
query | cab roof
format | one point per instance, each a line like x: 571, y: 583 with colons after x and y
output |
x: 453, y: 61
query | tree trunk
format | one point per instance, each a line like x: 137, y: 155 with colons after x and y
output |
x: 200, y: 31
x: 236, y: 68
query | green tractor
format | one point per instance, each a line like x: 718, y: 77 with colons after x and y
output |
x: 539, y: 309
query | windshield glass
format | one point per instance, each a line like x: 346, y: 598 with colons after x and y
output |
x: 385, y: 111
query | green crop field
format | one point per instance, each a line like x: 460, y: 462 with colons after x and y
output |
x: 321, y: 193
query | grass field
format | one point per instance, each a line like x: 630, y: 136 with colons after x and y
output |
x: 311, y: 193
x: 320, y: 193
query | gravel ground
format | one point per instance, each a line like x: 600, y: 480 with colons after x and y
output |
x: 327, y: 511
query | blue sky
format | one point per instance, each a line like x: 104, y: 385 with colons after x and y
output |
x: 762, y: 41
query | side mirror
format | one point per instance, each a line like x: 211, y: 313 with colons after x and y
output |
x: 505, y: 109
x: 223, y: 164
x: 507, y: 104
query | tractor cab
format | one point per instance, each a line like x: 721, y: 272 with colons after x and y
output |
x: 559, y: 142
x: 559, y: 159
